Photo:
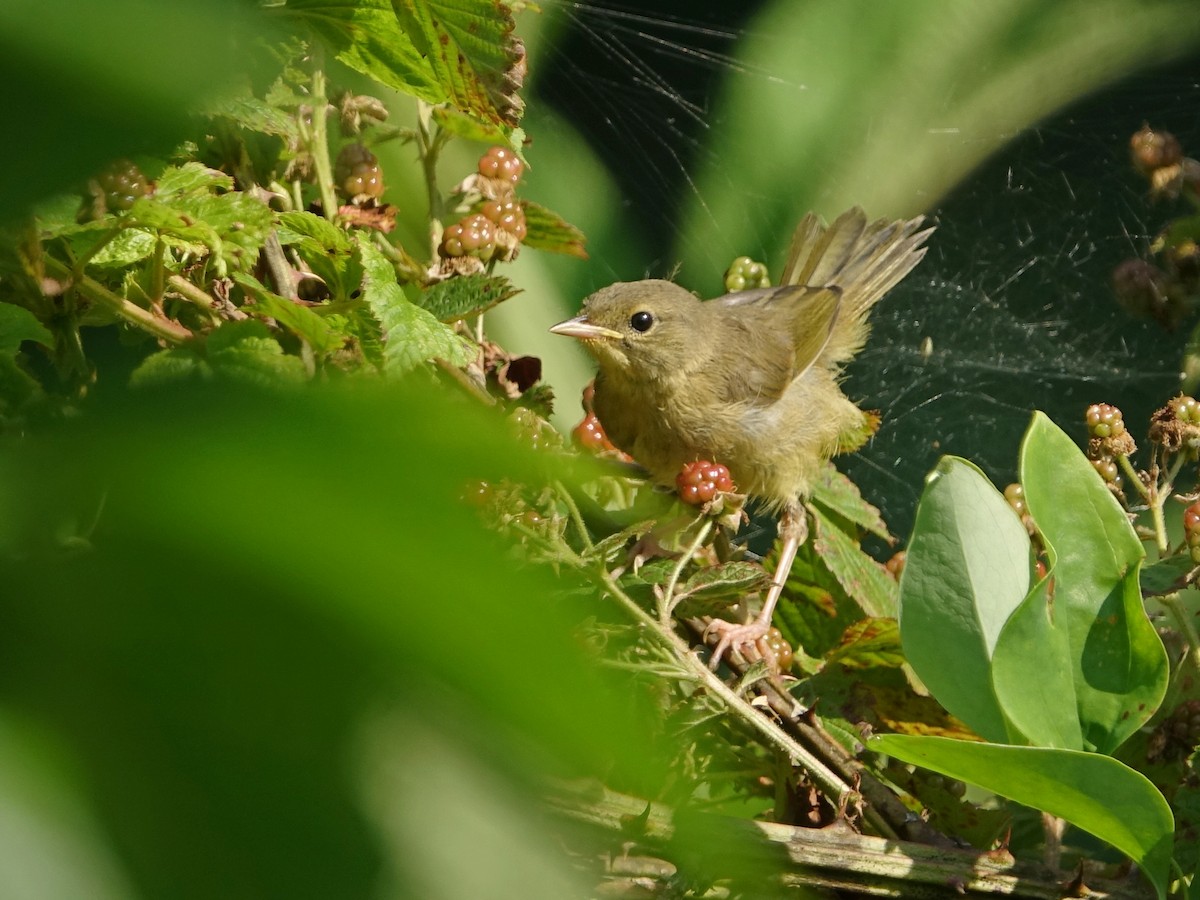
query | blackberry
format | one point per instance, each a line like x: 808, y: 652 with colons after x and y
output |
x: 589, y: 435
x: 1191, y: 530
x: 1152, y: 150
x: 121, y: 184
x: 1015, y: 495
x: 1107, y: 469
x: 502, y: 164
x: 473, y: 235
x: 357, y: 174
x: 698, y: 482
x: 506, y: 214
x: 780, y: 649
x: 745, y: 274
x: 1187, y: 409
x: 1104, y: 421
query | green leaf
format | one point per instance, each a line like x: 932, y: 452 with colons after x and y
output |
x: 838, y: 494
x: 464, y: 126
x: 469, y: 295
x: 411, y: 335
x: 471, y: 49
x: 131, y: 245
x: 869, y: 643
x: 546, y: 230
x: 967, y: 569
x: 730, y: 579
x: 17, y: 325
x: 1094, y: 792
x: 242, y: 351
x: 1166, y: 576
x: 315, y: 329
x: 327, y: 249
x: 1117, y: 660
x: 861, y: 577
x: 232, y: 226
x: 190, y: 180
x: 319, y: 230
x: 365, y: 35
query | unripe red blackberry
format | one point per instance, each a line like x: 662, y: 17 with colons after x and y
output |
x: 698, y: 482
x: 1153, y: 150
x: 472, y: 235
x: 506, y: 214
x: 357, y: 173
x: 1015, y: 495
x: 122, y: 183
x: 1191, y: 530
x: 589, y: 435
x: 1104, y: 421
x: 502, y: 164
x: 745, y: 274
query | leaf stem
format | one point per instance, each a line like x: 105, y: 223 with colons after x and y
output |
x: 161, y: 327
x: 319, y: 136
x: 576, y: 516
x: 667, y: 606
x: 1183, y: 621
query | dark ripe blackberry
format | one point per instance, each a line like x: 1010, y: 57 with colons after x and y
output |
x: 122, y: 183
x: 698, y: 482
x: 502, y: 164
x: 357, y: 173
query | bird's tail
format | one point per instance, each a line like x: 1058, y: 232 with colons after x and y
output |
x: 862, y: 261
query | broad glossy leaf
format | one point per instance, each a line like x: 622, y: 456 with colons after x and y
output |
x: 1094, y: 792
x: 967, y: 570
x: 1117, y: 661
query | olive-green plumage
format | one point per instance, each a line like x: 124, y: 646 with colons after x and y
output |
x: 750, y: 379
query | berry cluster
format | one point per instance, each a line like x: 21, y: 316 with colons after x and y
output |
x: 1159, y: 156
x: 1104, y: 421
x: 745, y: 274
x: 120, y: 184
x: 1191, y: 530
x: 358, y: 175
x: 1015, y: 495
x: 506, y: 214
x: 1177, y: 426
x: 472, y: 235
x: 1187, y: 409
x: 589, y: 435
x: 1107, y: 440
x: 501, y: 164
x: 780, y: 649
x: 698, y: 482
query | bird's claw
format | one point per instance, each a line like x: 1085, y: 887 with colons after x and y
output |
x: 746, y: 639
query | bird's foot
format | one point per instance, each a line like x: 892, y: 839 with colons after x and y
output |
x: 746, y: 639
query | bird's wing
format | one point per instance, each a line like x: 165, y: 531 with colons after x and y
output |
x: 791, y: 327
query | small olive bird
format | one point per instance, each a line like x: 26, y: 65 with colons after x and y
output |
x: 750, y: 379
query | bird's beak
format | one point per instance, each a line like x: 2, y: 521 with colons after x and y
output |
x: 580, y: 327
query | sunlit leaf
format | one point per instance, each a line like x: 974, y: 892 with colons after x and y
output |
x: 546, y: 230
x: 469, y: 295
x: 860, y: 576
x: 1097, y: 793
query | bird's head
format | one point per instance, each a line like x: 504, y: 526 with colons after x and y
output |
x: 645, y: 330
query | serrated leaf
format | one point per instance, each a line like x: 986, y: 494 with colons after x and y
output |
x: 838, y: 494
x: 189, y: 180
x: 242, y: 351
x: 861, y: 577
x: 254, y: 114
x: 869, y: 643
x: 468, y: 295
x: 17, y: 325
x: 1094, y: 792
x: 366, y: 36
x: 131, y: 245
x: 309, y: 325
x: 730, y: 579
x: 412, y: 335
x: 464, y: 126
x: 472, y: 52
x: 546, y: 230
x: 319, y: 230
x: 230, y: 225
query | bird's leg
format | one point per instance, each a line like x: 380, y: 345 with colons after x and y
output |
x: 793, y: 531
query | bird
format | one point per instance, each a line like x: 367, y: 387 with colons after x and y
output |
x: 750, y: 380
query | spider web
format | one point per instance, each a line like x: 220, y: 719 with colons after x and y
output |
x: 1012, y: 305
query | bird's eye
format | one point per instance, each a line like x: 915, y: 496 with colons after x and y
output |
x: 641, y: 321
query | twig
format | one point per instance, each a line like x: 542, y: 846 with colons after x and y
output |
x: 164, y: 328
